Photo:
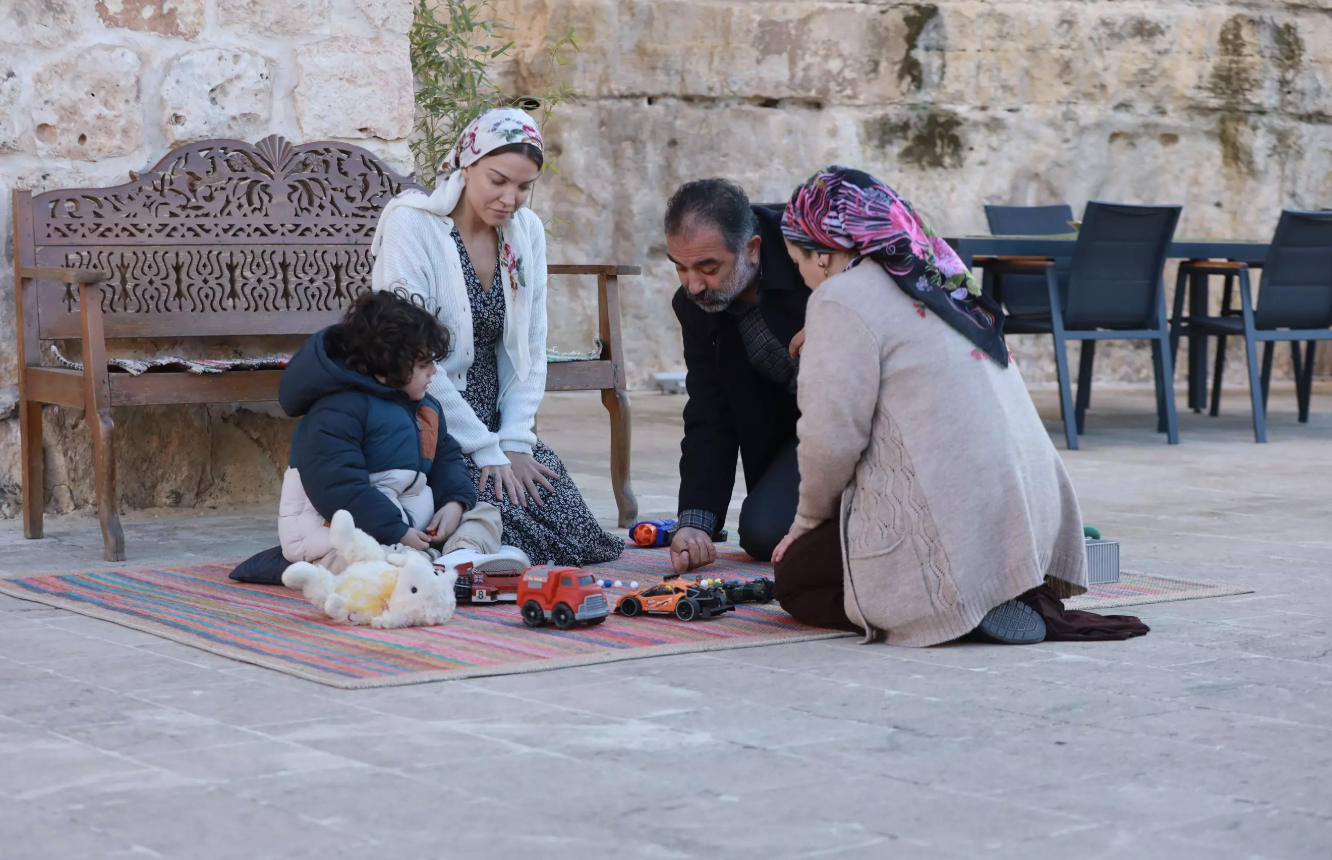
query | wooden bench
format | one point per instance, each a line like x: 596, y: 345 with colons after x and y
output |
x: 221, y: 238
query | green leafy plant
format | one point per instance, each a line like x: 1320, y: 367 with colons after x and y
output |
x: 454, y: 45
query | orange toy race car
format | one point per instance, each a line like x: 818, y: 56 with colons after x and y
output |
x: 689, y: 601
x: 564, y: 595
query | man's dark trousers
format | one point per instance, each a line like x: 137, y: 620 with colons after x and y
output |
x: 770, y: 507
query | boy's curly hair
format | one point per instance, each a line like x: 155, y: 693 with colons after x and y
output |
x: 385, y: 334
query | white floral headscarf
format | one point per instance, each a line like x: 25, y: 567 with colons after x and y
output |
x: 483, y: 135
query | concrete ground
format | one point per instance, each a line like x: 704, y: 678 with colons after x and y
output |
x: 1209, y: 738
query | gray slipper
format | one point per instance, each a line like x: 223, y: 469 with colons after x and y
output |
x: 1011, y: 623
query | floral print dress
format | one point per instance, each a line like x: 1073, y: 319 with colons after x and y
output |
x: 561, y: 530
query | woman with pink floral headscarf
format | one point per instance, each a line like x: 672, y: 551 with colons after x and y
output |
x: 932, y: 502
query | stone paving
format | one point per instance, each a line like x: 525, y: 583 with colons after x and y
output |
x: 1209, y: 738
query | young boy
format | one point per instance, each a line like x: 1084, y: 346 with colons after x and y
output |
x: 372, y: 442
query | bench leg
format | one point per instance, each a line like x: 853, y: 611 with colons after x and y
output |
x: 104, y: 476
x: 34, y: 468
x: 617, y: 404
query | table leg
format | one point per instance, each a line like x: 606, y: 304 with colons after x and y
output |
x: 1197, y: 344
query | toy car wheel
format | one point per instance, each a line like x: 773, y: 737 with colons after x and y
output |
x: 687, y: 609
x: 763, y: 592
x: 629, y: 607
x: 533, y: 614
x: 563, y: 616
x: 592, y: 622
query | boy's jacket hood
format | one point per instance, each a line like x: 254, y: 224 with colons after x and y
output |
x: 313, y: 374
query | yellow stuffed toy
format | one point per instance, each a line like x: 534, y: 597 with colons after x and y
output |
x: 378, y: 589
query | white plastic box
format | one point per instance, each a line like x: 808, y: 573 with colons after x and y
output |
x: 1102, y: 561
x: 670, y: 383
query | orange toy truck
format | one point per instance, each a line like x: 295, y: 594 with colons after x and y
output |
x: 565, y: 595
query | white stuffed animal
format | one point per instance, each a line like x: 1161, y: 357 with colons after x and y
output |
x: 377, y: 588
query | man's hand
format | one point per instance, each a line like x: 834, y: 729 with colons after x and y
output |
x: 691, y: 548
x: 416, y: 539
x: 445, y: 522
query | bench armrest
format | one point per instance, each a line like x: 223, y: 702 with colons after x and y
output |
x: 64, y: 275
x: 593, y: 269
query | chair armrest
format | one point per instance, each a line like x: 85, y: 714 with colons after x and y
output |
x: 64, y: 275
x: 593, y: 269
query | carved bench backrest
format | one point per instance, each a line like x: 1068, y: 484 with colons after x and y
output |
x: 221, y: 237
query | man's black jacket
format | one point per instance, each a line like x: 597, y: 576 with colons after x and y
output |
x: 733, y: 409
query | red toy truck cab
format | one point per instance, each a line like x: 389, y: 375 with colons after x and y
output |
x: 564, y: 595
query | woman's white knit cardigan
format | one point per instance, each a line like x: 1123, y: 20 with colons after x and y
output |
x: 418, y: 253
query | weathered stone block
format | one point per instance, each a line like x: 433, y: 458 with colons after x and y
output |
x: 162, y: 452
x: 355, y: 88
x: 350, y: 17
x: 180, y: 18
x: 11, y: 456
x: 39, y: 22
x: 217, y: 92
x: 249, y: 456
x: 269, y: 18
x: 88, y: 107
x: 11, y: 88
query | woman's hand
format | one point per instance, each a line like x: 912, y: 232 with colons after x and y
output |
x: 531, y: 474
x: 782, y: 547
x: 416, y: 539
x: 797, y: 344
x: 506, y: 484
x: 445, y: 522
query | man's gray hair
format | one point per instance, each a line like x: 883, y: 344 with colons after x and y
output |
x: 716, y: 203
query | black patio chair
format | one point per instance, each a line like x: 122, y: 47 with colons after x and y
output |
x: 1115, y: 292
x: 1024, y: 295
x: 1294, y: 304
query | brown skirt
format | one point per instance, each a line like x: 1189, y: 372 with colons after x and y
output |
x: 808, y: 584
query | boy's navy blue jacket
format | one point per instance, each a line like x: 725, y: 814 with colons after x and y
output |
x: 353, y: 426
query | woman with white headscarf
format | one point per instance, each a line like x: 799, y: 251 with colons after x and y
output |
x: 477, y: 256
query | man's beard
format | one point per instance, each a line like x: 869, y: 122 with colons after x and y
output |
x: 739, y: 280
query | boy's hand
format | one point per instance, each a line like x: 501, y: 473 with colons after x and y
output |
x: 797, y: 343
x: 416, y: 539
x: 445, y: 522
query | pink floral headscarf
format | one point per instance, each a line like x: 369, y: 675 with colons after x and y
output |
x: 842, y: 209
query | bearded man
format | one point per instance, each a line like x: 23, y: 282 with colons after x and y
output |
x: 740, y: 303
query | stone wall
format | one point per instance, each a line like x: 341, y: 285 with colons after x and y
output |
x: 1224, y: 107
x: 92, y: 89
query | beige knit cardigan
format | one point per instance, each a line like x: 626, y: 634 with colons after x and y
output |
x: 951, y: 497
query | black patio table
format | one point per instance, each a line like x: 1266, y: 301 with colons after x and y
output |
x: 1184, y: 249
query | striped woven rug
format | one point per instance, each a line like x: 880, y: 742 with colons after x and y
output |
x: 273, y: 627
